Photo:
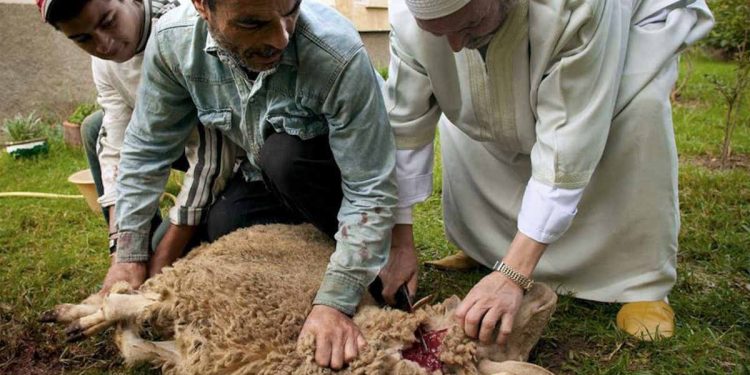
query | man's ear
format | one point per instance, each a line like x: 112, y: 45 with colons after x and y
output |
x: 202, y: 7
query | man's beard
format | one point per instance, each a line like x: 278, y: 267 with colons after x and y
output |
x: 479, y: 42
x: 504, y: 10
x: 243, y: 59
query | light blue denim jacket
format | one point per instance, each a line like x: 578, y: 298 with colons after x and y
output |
x: 325, y: 84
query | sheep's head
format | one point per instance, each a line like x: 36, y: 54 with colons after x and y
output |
x: 449, y: 349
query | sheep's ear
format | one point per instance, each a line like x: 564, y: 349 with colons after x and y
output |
x: 452, y: 303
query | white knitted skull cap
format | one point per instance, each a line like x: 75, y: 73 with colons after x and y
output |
x: 431, y: 9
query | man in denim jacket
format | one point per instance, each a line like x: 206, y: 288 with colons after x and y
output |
x: 292, y: 85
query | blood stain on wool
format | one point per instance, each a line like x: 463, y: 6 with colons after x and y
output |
x: 428, y: 359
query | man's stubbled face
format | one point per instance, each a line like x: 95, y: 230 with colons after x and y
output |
x: 107, y: 29
x: 254, y: 33
x: 471, y: 26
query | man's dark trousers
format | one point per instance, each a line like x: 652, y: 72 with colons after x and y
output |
x: 301, y: 183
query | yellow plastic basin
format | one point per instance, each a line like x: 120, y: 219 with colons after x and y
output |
x: 85, y: 183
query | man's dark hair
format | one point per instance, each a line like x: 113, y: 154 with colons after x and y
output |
x: 211, y: 4
x: 62, y: 11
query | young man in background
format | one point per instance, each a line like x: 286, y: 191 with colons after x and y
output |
x: 115, y: 33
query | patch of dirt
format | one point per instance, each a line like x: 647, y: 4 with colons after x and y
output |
x: 25, y: 356
x: 736, y: 161
x: 27, y: 347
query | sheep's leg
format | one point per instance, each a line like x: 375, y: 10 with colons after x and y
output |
x: 116, y: 308
x: 487, y: 367
x: 68, y: 312
x: 137, y: 350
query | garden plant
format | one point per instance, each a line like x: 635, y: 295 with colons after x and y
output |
x: 26, y: 136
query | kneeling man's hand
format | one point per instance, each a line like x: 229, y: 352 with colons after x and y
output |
x: 402, y: 264
x: 337, y: 339
x: 134, y: 273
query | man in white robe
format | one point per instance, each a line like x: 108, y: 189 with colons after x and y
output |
x: 557, y: 146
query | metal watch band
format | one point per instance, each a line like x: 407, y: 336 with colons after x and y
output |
x: 522, y: 281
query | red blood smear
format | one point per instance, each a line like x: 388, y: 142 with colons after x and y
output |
x: 430, y: 359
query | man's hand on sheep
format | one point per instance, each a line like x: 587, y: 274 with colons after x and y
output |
x: 134, y: 273
x: 402, y: 264
x: 496, y: 299
x: 337, y: 339
x: 493, y: 300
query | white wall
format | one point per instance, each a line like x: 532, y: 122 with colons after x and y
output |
x: 40, y: 70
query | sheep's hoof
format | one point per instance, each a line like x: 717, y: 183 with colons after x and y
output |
x: 74, y: 333
x: 79, y: 336
x: 49, y: 316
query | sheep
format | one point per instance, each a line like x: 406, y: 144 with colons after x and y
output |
x: 236, y: 306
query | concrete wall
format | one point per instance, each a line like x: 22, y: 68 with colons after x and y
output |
x: 378, y: 47
x: 40, y: 70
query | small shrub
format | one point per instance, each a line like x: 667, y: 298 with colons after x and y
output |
x: 732, y: 19
x: 733, y: 91
x: 81, y: 112
x: 20, y: 128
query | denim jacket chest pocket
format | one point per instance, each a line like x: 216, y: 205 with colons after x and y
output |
x: 212, y: 88
x: 220, y: 119
x: 285, y: 114
x: 215, y: 100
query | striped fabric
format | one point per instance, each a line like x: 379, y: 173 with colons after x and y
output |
x: 153, y: 9
x: 211, y: 160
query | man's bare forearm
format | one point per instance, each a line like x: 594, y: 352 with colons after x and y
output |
x: 171, y: 247
x: 524, y: 254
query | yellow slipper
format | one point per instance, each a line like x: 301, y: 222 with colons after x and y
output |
x: 456, y: 262
x: 647, y: 321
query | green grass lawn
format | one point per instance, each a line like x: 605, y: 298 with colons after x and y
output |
x: 53, y: 251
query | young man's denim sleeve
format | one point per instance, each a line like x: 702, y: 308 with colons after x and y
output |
x: 364, y: 149
x: 163, y: 118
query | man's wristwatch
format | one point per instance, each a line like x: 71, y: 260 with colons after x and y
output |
x: 522, y: 281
